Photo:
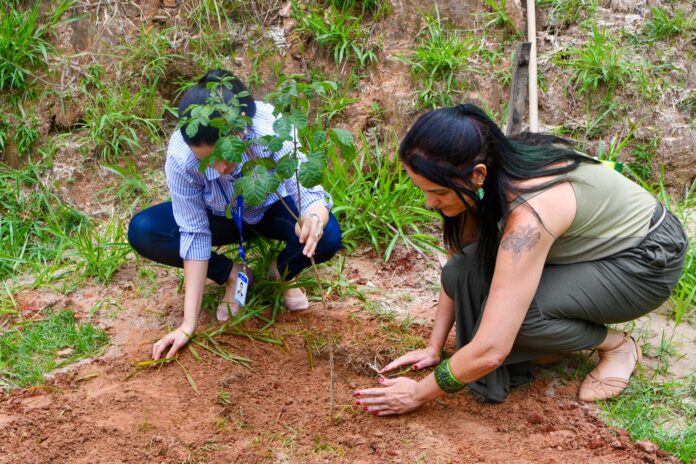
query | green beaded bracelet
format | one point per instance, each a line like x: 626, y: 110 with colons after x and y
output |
x: 445, y: 379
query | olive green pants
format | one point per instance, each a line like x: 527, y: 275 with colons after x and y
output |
x: 572, y: 303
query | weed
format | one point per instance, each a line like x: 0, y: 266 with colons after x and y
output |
x: 26, y: 133
x: 114, y: 116
x: 376, y: 201
x: 131, y: 186
x: 335, y: 103
x: 437, y: 59
x: 498, y: 18
x: 151, y: 53
x: 101, y: 252
x: 341, y: 33
x: 567, y: 12
x: 663, y: 25
x: 39, y: 346
x: 378, y: 9
x: 23, y: 42
x: 34, y: 223
x: 642, y: 155
x: 601, y: 61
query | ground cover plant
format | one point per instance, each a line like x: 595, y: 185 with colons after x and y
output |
x: 83, y: 126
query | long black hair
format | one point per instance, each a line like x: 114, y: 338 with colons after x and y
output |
x: 198, y: 95
x: 446, y: 144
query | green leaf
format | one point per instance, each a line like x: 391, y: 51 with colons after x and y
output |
x: 286, y: 166
x: 344, y: 137
x: 312, y: 171
x: 257, y: 184
x: 229, y: 148
x: 283, y: 126
x: 298, y: 119
x: 192, y: 128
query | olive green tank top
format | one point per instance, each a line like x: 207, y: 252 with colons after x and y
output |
x: 612, y: 215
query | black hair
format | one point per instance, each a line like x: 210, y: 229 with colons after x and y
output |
x: 446, y: 144
x: 198, y: 94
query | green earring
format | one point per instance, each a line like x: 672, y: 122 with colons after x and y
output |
x: 480, y: 193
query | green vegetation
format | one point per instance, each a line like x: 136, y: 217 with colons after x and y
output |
x: 602, y: 61
x: 663, y: 25
x: 375, y: 201
x: 343, y: 34
x: 566, y: 12
x: 436, y: 62
x: 29, y: 351
x: 23, y: 41
x: 498, y: 18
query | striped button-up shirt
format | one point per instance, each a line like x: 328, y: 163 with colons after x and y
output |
x: 193, y: 192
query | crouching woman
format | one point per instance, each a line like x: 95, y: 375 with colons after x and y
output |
x: 182, y: 231
x: 548, y: 245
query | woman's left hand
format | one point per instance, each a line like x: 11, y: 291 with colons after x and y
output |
x: 310, y: 231
x: 399, y: 397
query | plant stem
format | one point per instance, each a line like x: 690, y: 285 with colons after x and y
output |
x: 325, y: 310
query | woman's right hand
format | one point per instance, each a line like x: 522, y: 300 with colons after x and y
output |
x: 176, y: 338
x: 418, y: 359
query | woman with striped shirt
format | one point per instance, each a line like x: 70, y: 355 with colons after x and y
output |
x: 182, y: 231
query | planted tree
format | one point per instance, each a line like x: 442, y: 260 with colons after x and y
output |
x: 261, y: 177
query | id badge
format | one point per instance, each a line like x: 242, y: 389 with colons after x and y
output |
x: 240, y: 290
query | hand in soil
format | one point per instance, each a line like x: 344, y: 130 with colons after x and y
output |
x: 399, y: 397
x: 176, y: 338
x: 418, y: 359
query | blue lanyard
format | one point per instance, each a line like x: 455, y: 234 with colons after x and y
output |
x: 237, y: 214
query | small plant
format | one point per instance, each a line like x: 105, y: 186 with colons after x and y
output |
x: 499, y: 18
x: 25, y: 132
x: 567, y: 12
x: 600, y: 62
x: 150, y: 54
x: 662, y: 25
x: 101, y: 252
x: 437, y: 59
x: 114, y: 116
x: 376, y: 8
x: 341, y: 33
x: 131, y: 186
x: 23, y: 42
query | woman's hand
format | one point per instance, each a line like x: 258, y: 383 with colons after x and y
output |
x: 399, y: 397
x: 176, y: 338
x: 310, y: 230
x: 418, y: 359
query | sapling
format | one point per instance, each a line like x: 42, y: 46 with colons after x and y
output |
x: 261, y: 177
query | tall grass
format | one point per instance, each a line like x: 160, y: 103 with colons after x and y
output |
x: 375, y: 201
x: 439, y: 56
x: 23, y: 41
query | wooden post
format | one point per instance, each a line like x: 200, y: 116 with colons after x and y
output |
x: 518, y: 89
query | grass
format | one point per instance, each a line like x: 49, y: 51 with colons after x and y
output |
x: 564, y: 13
x: 115, y: 115
x: 375, y: 201
x: 435, y: 63
x: 662, y: 24
x: 601, y: 62
x: 100, y: 251
x: 341, y: 33
x: 34, y: 223
x: 662, y: 412
x: 34, y: 348
x: 498, y: 18
x: 24, y: 41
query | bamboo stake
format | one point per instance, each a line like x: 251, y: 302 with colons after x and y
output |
x: 531, y: 37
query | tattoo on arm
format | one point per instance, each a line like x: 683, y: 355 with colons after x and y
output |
x: 522, y: 238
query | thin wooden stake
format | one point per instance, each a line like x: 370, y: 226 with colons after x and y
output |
x: 531, y: 38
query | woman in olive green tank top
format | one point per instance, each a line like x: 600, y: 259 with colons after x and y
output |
x: 547, y: 247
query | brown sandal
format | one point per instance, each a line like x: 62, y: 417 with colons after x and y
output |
x: 594, y: 388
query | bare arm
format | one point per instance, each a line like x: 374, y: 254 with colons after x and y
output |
x: 194, y: 284
x: 430, y: 356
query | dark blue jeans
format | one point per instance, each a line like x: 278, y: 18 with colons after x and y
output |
x: 154, y: 234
